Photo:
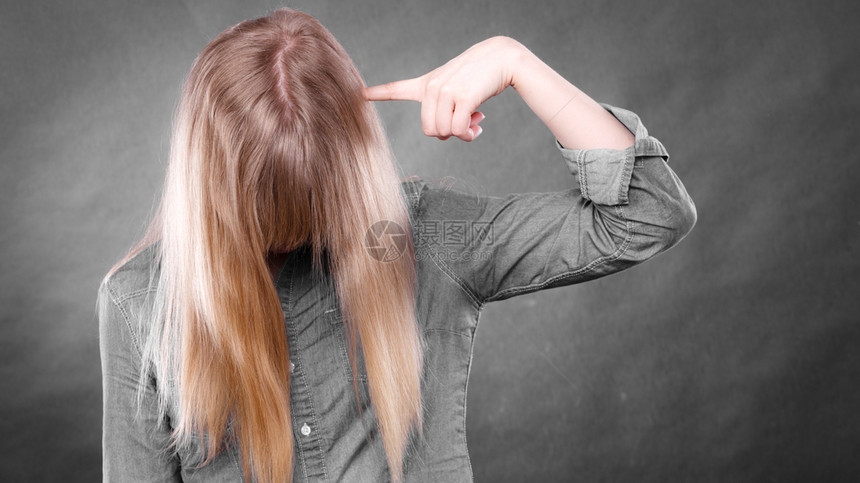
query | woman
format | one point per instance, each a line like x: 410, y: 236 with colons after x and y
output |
x: 296, y: 311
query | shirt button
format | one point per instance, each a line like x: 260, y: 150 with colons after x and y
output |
x: 306, y: 430
x: 292, y: 367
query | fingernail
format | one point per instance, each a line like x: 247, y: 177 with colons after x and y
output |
x: 480, y: 130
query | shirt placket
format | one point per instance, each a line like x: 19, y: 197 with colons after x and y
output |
x: 309, y: 457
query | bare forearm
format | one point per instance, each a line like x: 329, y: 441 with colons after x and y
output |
x: 576, y: 120
x: 451, y: 94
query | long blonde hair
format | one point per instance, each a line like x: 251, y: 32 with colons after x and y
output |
x: 274, y: 147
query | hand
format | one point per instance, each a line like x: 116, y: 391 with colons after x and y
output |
x: 451, y: 94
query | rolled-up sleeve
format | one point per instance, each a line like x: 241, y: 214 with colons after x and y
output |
x: 624, y: 207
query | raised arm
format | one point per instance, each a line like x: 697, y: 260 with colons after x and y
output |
x: 451, y: 94
x: 625, y: 206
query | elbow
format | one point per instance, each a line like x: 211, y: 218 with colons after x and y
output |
x: 682, y: 221
x: 679, y: 218
x: 660, y: 213
x: 662, y: 227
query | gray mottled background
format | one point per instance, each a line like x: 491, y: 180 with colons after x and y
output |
x: 733, y: 357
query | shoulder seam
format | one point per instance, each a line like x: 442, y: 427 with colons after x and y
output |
x: 454, y: 278
x: 134, y: 293
x: 126, y: 318
x: 418, y: 184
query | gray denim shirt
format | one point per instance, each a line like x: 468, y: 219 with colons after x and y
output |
x: 623, y: 207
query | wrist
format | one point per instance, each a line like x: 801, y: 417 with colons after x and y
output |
x: 524, y: 65
x: 514, y: 58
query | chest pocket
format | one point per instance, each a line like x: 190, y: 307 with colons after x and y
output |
x: 334, y: 320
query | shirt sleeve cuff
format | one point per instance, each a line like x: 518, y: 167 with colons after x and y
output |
x: 604, y: 174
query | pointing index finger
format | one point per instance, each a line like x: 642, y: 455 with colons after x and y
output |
x: 405, y: 90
